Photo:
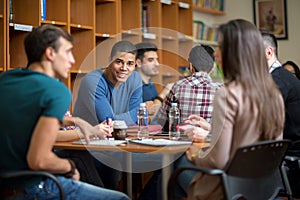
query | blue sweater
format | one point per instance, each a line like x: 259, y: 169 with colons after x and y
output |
x: 98, y: 98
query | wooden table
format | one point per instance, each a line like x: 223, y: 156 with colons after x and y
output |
x: 167, y: 153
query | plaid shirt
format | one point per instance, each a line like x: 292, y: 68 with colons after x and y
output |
x: 193, y: 94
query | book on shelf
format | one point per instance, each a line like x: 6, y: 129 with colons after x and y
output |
x: 198, y: 2
x: 11, y: 14
x: 43, y: 9
x: 205, y: 32
x: 145, y: 18
x: 212, y: 4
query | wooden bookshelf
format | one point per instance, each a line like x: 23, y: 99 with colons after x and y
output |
x: 96, y: 25
x: 208, y: 10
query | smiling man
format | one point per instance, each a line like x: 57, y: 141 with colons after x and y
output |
x: 114, y: 92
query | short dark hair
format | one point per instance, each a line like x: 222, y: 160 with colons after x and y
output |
x: 122, y: 46
x: 270, y: 40
x: 42, y: 37
x: 202, y: 58
x: 144, y: 47
x: 209, y: 50
x: 296, y: 68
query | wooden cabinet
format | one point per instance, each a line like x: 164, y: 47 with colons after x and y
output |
x: 96, y: 25
x: 3, y: 22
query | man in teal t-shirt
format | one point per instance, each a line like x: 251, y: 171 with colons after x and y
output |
x: 33, y: 102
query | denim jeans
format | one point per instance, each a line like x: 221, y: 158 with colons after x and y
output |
x: 184, y: 179
x: 47, y: 190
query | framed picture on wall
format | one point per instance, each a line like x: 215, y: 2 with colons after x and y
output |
x: 271, y: 15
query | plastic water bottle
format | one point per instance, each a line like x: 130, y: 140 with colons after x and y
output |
x: 174, y: 121
x: 143, y: 132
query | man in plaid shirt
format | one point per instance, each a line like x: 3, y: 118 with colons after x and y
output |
x: 194, y: 94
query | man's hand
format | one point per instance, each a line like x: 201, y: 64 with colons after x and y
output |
x: 76, y: 176
x: 101, y: 130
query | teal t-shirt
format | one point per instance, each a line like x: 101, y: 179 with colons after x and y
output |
x: 26, y: 95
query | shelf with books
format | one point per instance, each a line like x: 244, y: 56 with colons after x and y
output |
x: 94, y: 23
x: 204, y: 32
x: 209, y: 10
x: 209, y: 6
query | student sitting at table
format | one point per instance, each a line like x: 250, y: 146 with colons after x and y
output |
x: 83, y: 160
x: 32, y: 110
x: 249, y: 108
x: 114, y: 92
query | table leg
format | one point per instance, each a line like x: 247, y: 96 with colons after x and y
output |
x: 128, y: 170
x: 166, y: 173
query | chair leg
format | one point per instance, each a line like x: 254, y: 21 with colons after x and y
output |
x: 286, y: 182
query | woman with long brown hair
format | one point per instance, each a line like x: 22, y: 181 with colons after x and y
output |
x: 249, y: 108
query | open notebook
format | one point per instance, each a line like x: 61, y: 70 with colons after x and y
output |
x: 160, y: 142
x: 101, y: 142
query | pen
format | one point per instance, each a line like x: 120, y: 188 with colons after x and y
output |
x: 107, y: 119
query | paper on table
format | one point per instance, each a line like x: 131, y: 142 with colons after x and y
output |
x: 101, y: 142
x: 161, y: 142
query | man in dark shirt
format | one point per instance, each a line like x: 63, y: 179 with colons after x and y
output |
x: 289, y: 86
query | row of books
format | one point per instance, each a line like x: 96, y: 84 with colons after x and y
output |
x: 213, y: 4
x: 205, y: 32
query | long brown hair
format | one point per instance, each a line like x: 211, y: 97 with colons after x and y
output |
x: 244, y: 61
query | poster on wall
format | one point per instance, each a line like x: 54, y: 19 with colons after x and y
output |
x: 270, y: 15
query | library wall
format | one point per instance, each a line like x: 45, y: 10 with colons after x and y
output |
x: 288, y: 49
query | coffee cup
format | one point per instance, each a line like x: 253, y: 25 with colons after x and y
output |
x: 120, y: 128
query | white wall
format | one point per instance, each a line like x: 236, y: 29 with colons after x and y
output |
x: 288, y: 49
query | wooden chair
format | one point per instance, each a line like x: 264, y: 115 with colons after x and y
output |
x: 17, y: 174
x: 255, y: 172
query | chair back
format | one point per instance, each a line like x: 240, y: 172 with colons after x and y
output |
x: 4, y: 176
x: 254, y: 172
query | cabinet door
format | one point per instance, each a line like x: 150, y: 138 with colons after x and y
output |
x: 23, y: 16
x: 131, y: 20
x: 82, y: 15
x: 55, y: 12
x: 3, y: 25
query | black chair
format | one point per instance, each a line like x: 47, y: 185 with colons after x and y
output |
x: 24, y: 173
x: 255, y: 172
x: 292, y: 166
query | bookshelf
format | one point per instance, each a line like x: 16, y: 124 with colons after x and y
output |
x: 96, y: 25
x: 205, y: 32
